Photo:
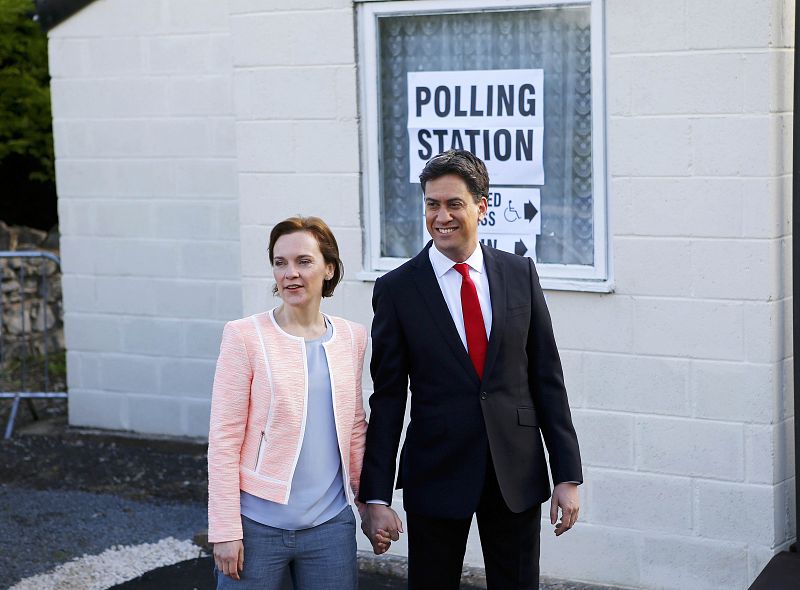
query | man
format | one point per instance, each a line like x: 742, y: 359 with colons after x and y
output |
x: 467, y: 329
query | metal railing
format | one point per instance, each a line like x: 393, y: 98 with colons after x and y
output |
x: 26, y: 353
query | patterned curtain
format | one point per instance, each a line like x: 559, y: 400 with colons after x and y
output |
x: 557, y: 40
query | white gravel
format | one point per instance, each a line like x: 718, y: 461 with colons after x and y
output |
x: 113, y: 566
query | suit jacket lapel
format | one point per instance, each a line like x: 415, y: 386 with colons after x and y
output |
x: 432, y: 296
x: 497, y: 291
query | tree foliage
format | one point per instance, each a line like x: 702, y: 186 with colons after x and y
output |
x: 25, y: 118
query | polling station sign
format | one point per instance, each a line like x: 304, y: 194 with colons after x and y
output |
x: 498, y: 115
x: 512, y: 221
x: 512, y: 211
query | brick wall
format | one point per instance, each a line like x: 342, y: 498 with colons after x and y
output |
x: 297, y: 136
x: 679, y: 380
x: 146, y: 169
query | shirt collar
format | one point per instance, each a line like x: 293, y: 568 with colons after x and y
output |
x: 441, y: 263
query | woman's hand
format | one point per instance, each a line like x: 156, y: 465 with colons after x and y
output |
x: 229, y: 558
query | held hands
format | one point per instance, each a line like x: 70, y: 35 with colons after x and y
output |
x: 565, y: 496
x: 381, y: 525
x: 229, y: 558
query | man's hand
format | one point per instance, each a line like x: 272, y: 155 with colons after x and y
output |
x: 229, y: 558
x: 381, y: 525
x: 565, y: 496
x: 380, y: 542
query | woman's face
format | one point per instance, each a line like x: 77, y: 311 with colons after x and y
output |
x: 299, y: 269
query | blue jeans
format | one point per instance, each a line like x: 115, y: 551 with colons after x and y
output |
x: 320, y: 558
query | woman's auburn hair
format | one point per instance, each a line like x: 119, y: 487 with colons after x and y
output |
x: 325, y: 239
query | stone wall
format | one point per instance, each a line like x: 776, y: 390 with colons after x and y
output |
x: 31, y: 311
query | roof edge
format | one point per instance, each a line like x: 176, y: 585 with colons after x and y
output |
x: 50, y: 13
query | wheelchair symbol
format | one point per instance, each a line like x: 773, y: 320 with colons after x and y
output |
x: 511, y: 214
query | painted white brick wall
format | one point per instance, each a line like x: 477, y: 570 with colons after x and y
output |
x: 680, y: 380
x: 699, y: 218
x: 297, y: 136
x: 146, y: 169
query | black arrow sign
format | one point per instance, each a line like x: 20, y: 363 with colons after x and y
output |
x: 530, y: 211
x: 519, y: 247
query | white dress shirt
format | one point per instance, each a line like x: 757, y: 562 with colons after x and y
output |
x: 450, y: 283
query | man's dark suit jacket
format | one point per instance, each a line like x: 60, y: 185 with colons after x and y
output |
x: 455, y: 416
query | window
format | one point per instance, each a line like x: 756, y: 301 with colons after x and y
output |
x: 559, y: 46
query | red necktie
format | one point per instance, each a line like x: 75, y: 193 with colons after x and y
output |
x: 473, y: 319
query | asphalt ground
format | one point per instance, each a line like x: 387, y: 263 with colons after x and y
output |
x: 65, y: 493
x: 196, y: 574
x: 40, y: 529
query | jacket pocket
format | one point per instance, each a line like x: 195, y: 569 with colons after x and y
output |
x: 527, y: 417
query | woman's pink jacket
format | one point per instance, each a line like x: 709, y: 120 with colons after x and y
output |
x: 258, y: 414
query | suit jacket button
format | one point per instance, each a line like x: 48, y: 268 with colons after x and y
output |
x: 483, y: 395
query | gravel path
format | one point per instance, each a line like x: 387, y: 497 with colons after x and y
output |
x: 67, y: 493
x: 40, y: 529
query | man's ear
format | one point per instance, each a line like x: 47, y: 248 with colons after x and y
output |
x: 483, y: 207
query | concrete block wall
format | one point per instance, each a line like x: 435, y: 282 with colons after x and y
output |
x: 143, y: 112
x: 297, y: 136
x: 678, y: 379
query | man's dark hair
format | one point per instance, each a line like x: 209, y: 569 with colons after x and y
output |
x: 461, y: 163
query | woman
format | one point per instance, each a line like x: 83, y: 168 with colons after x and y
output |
x: 287, y: 430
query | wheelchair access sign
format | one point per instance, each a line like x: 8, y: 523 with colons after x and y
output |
x: 512, y: 221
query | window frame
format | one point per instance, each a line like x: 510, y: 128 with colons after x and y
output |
x: 572, y: 277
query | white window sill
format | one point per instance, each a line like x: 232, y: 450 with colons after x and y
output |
x: 607, y: 286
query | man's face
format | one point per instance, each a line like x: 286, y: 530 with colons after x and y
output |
x: 452, y: 216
